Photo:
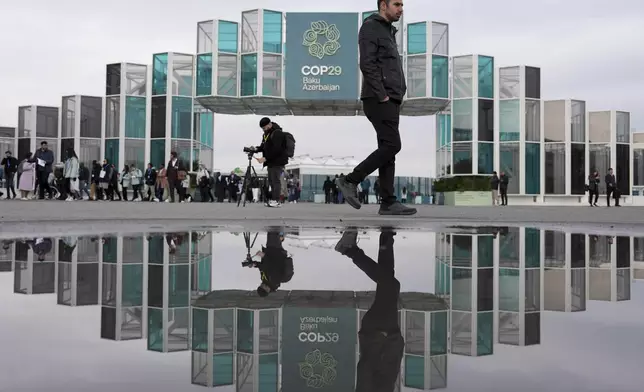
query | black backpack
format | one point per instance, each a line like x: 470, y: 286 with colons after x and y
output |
x: 290, y: 144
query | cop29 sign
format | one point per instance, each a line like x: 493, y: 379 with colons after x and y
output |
x: 318, y: 349
x: 321, y: 56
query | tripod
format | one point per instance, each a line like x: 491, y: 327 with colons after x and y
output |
x: 248, y: 262
x: 248, y: 179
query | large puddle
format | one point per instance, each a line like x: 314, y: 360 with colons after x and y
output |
x: 294, y: 310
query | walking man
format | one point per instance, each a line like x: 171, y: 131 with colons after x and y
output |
x: 383, y: 89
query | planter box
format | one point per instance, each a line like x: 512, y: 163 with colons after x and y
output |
x: 468, y: 198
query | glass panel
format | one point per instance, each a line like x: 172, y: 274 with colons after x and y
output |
x: 223, y: 370
x: 638, y: 166
x: 599, y: 160
x: 248, y: 74
x: 486, y: 76
x: 578, y: 250
x: 182, y: 148
x: 533, y: 168
x: 509, y: 80
x: 486, y: 120
x: 462, y: 158
x: 181, y: 118
x: 200, y: 330
x: 113, y: 79
x: 485, y: 334
x: 112, y: 151
x: 510, y: 165
x: 204, y: 74
x: 486, y: 158
x: 462, y: 289
x: 440, y: 38
x: 555, y: 247
x: 599, y: 127
x: 227, y: 75
x: 112, y: 117
x: 578, y: 122
x: 462, y: 83
x: 555, y: 121
x: 555, y: 166
x: 623, y: 252
x: 250, y: 31
x: 91, y: 113
x: 245, y: 327
x: 268, y: 372
x: 68, y: 121
x: 90, y: 149
x: 485, y: 250
x: 414, y: 372
x: 272, y: 75
x: 532, y: 248
x: 438, y: 333
x: 532, y: 120
x: 135, y: 117
x: 578, y: 178
x: 136, y: 76
x: 204, y: 36
x: 440, y: 76
x: 509, y: 290
x: 623, y: 169
x: 182, y: 74
x: 47, y: 122
x: 623, y: 127
x: 509, y: 123
x: 66, y: 144
x: 416, y: 38
x: 25, y: 122
x: 463, y: 120
x: 269, y: 331
x: 462, y: 251
x: 416, y: 74
x: 160, y: 74
x: 485, y: 289
x: 179, y: 286
x: 132, y: 281
x: 533, y: 82
x: 7, y: 132
x: 227, y: 36
x: 135, y: 153
x: 158, y: 117
x: 155, y: 329
x: 110, y: 248
x: 272, y: 32
x: 532, y: 329
x: 224, y: 330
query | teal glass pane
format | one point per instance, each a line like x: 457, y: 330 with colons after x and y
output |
x: 532, y: 248
x: 155, y: 329
x: 485, y: 334
x: 204, y: 74
x: 272, y: 32
x: 443, y: 278
x: 438, y: 333
x: 485, y: 249
x: 109, y: 250
x: 414, y: 372
x: 462, y: 289
x: 248, y: 75
x: 486, y: 158
x: 112, y: 151
x: 462, y: 250
x: 204, y: 277
x: 440, y: 76
x: 160, y: 74
x: 132, y: 291
x: 207, y: 124
x: 157, y: 157
x: 463, y: 120
x: 227, y: 36
x: 268, y: 367
x: 200, y: 330
x: 181, y: 118
x: 245, y: 324
x: 509, y: 290
x: 179, y: 286
x: 486, y: 77
x: 135, y: 117
x: 444, y: 129
x: 367, y: 14
x: 417, y: 38
x: 509, y: 120
x: 532, y: 168
x: 222, y: 372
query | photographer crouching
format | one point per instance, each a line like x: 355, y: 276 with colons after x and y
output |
x: 275, y: 157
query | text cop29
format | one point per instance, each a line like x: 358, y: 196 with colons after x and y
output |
x: 316, y: 337
x: 320, y: 70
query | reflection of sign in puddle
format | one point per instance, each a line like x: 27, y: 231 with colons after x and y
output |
x: 318, y: 369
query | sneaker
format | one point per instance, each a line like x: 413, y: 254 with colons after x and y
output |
x: 349, y: 192
x: 348, y: 241
x: 273, y: 204
x: 396, y: 209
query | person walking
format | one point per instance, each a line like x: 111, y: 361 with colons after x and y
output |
x: 494, y: 186
x: 44, y: 159
x: 10, y: 166
x: 383, y: 89
x: 593, y: 188
x: 504, y: 181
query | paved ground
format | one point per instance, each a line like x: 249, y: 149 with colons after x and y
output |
x: 63, y: 216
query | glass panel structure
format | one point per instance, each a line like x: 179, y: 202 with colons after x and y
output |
x: 623, y: 127
x: 227, y: 75
x: 181, y: 118
x: 113, y: 79
x: 486, y: 120
x: 135, y: 153
x: 248, y: 75
x: 227, y: 36
x: 112, y: 151
x: 462, y: 120
x: 272, y: 75
x: 90, y: 149
x: 182, y: 75
x: 91, y: 117
x: 462, y: 158
x: 204, y: 74
x: 462, y: 74
x: 638, y: 166
x: 532, y: 120
x: 509, y: 80
x: 204, y: 36
x: 623, y: 168
x: 555, y: 121
x: 533, y: 82
x: 160, y: 74
x: 440, y: 38
x: 416, y: 38
x: 272, y: 24
x: 440, y: 76
x: 578, y: 178
x: 416, y: 76
x: 555, y: 167
x: 600, y: 156
x: 486, y: 77
x: 486, y: 158
x: 112, y: 116
x: 68, y: 121
x: 250, y: 31
x: 509, y: 121
x: 599, y: 127
x: 158, y: 118
x: 157, y: 152
x: 578, y: 121
x: 532, y: 168
x: 47, y: 122
x: 510, y: 165
x: 135, y: 117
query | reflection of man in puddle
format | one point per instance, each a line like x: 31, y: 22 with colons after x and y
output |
x: 381, y: 342
x: 41, y: 246
x: 275, y: 266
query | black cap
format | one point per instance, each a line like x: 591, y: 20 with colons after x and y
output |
x: 262, y: 291
x: 264, y: 122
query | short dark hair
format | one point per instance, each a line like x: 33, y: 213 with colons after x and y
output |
x: 43, y: 143
x: 173, y: 153
x: 383, y: 1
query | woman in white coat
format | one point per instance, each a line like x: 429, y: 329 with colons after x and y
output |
x: 70, y: 174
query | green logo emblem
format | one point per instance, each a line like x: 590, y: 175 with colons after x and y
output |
x: 322, y: 29
x: 318, y: 369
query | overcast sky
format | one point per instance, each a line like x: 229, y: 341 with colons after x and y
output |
x: 57, y: 348
x: 587, y: 49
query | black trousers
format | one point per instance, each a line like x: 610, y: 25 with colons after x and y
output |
x: 611, y: 192
x: 590, y: 197
x: 206, y: 194
x: 504, y: 196
x: 176, y: 184
x: 385, y: 118
x: 42, y: 177
x: 9, y: 185
x: 274, y: 180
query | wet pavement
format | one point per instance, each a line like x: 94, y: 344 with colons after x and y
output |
x: 310, y: 309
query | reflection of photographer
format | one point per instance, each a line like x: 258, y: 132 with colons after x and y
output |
x: 275, y: 156
x: 275, y: 266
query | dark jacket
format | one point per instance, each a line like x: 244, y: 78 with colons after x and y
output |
x: 10, y: 165
x: 47, y: 156
x: 503, y: 182
x: 96, y: 173
x: 275, y: 267
x: 83, y: 174
x: 172, y: 172
x: 107, y: 168
x: 273, y: 147
x: 494, y: 183
x: 610, y: 182
x: 593, y: 183
x: 380, y: 62
x: 150, y: 177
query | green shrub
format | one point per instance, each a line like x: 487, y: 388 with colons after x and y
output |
x: 462, y: 184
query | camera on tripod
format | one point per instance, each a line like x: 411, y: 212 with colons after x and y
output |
x: 250, y: 150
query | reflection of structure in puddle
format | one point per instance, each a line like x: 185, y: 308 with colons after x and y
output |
x: 255, y: 343
x: 77, y: 279
x: 6, y: 256
x: 609, y: 272
x: 35, y: 268
x: 638, y: 258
